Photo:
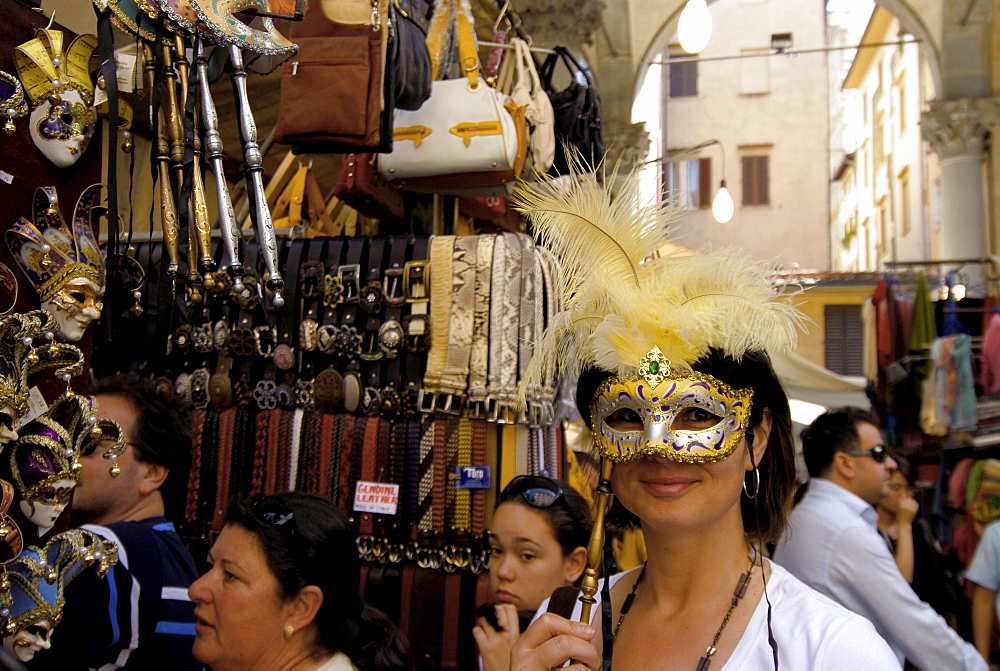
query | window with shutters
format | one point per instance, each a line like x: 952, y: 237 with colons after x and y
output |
x: 756, y: 189
x: 683, y: 77
x: 690, y: 182
x: 843, y: 339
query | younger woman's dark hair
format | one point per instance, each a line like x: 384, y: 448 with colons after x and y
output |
x: 307, y: 541
x: 776, y: 467
x: 569, y: 515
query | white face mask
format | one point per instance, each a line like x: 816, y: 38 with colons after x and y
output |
x: 24, y: 644
x: 62, y: 126
x: 43, y: 513
x: 74, y: 307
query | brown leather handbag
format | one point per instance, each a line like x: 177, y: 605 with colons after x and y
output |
x: 332, y: 97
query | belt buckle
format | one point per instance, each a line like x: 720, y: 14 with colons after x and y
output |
x: 415, y: 281
x: 426, y: 401
x: 242, y: 342
x: 265, y: 345
x: 303, y: 393
x: 448, y: 403
x: 203, y: 338
x: 416, y: 341
x: 390, y: 338
x: 370, y: 349
x: 393, y: 286
x: 372, y: 297
x: 477, y: 407
x: 350, y: 278
x: 312, y: 279
x: 264, y: 394
x: 493, y: 413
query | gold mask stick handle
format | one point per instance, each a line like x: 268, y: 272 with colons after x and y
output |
x: 253, y: 168
x: 595, y: 550
x: 213, y: 145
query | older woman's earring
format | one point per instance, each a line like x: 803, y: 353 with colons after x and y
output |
x: 13, y: 105
x: 289, y: 630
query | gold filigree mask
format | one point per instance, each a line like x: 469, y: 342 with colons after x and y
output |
x: 677, y: 414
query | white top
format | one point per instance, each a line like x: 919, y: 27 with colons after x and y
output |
x: 339, y: 662
x: 812, y: 632
x: 832, y: 544
x: 984, y: 569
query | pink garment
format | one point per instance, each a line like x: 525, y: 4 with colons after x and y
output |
x: 989, y: 375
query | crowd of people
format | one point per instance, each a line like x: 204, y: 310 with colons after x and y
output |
x: 693, y: 444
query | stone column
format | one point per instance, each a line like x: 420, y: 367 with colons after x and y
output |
x: 956, y: 130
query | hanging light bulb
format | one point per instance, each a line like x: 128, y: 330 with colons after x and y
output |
x: 958, y: 291
x: 694, y: 28
x: 723, y: 205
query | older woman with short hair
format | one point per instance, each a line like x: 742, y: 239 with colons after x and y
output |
x: 282, y: 593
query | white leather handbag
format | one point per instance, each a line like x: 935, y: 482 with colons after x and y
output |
x: 464, y: 135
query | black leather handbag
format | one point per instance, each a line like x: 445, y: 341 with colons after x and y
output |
x: 577, y: 111
x: 409, y: 62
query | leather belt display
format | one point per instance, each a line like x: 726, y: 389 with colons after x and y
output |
x: 479, y: 354
x: 454, y: 376
x: 441, y: 256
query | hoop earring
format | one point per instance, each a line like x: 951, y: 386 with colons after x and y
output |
x: 14, y: 105
x: 756, y: 483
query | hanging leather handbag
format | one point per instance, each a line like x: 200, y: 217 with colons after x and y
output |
x: 519, y: 79
x: 577, y: 111
x: 362, y: 187
x: 466, y: 134
x: 332, y: 97
x: 409, y: 62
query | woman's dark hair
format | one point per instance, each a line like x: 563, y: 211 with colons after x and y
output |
x: 307, y: 541
x: 569, y: 515
x: 777, y: 467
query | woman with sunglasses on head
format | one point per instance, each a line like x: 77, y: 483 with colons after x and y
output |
x: 693, y: 430
x: 538, y: 537
x: 282, y: 593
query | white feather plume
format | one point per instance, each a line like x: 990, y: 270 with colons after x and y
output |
x: 619, y: 302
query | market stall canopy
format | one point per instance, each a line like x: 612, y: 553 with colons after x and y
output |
x: 812, y: 389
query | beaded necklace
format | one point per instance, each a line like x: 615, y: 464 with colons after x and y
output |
x: 738, y: 594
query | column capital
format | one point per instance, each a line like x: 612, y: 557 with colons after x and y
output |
x: 955, y: 127
x: 627, y: 144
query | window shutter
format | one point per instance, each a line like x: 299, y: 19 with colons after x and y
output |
x: 843, y: 339
x: 704, y: 182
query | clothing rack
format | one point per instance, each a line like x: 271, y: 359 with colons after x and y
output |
x: 502, y: 45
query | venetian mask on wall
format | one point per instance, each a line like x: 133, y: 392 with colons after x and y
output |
x: 58, y: 85
x: 31, y: 592
x: 63, y: 262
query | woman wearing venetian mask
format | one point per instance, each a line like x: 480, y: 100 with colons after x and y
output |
x: 282, y: 593
x: 693, y: 431
x: 538, y: 537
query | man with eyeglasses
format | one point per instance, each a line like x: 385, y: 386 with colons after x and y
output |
x: 139, y: 616
x: 833, y: 545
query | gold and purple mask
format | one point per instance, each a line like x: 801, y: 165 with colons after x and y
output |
x: 66, y: 120
x: 676, y: 414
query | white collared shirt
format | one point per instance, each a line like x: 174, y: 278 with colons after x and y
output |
x: 832, y: 544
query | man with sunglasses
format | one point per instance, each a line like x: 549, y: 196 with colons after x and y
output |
x: 139, y: 616
x: 833, y: 545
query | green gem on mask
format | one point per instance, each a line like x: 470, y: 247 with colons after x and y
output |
x: 654, y: 367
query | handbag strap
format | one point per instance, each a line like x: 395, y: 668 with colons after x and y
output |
x: 455, y: 14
